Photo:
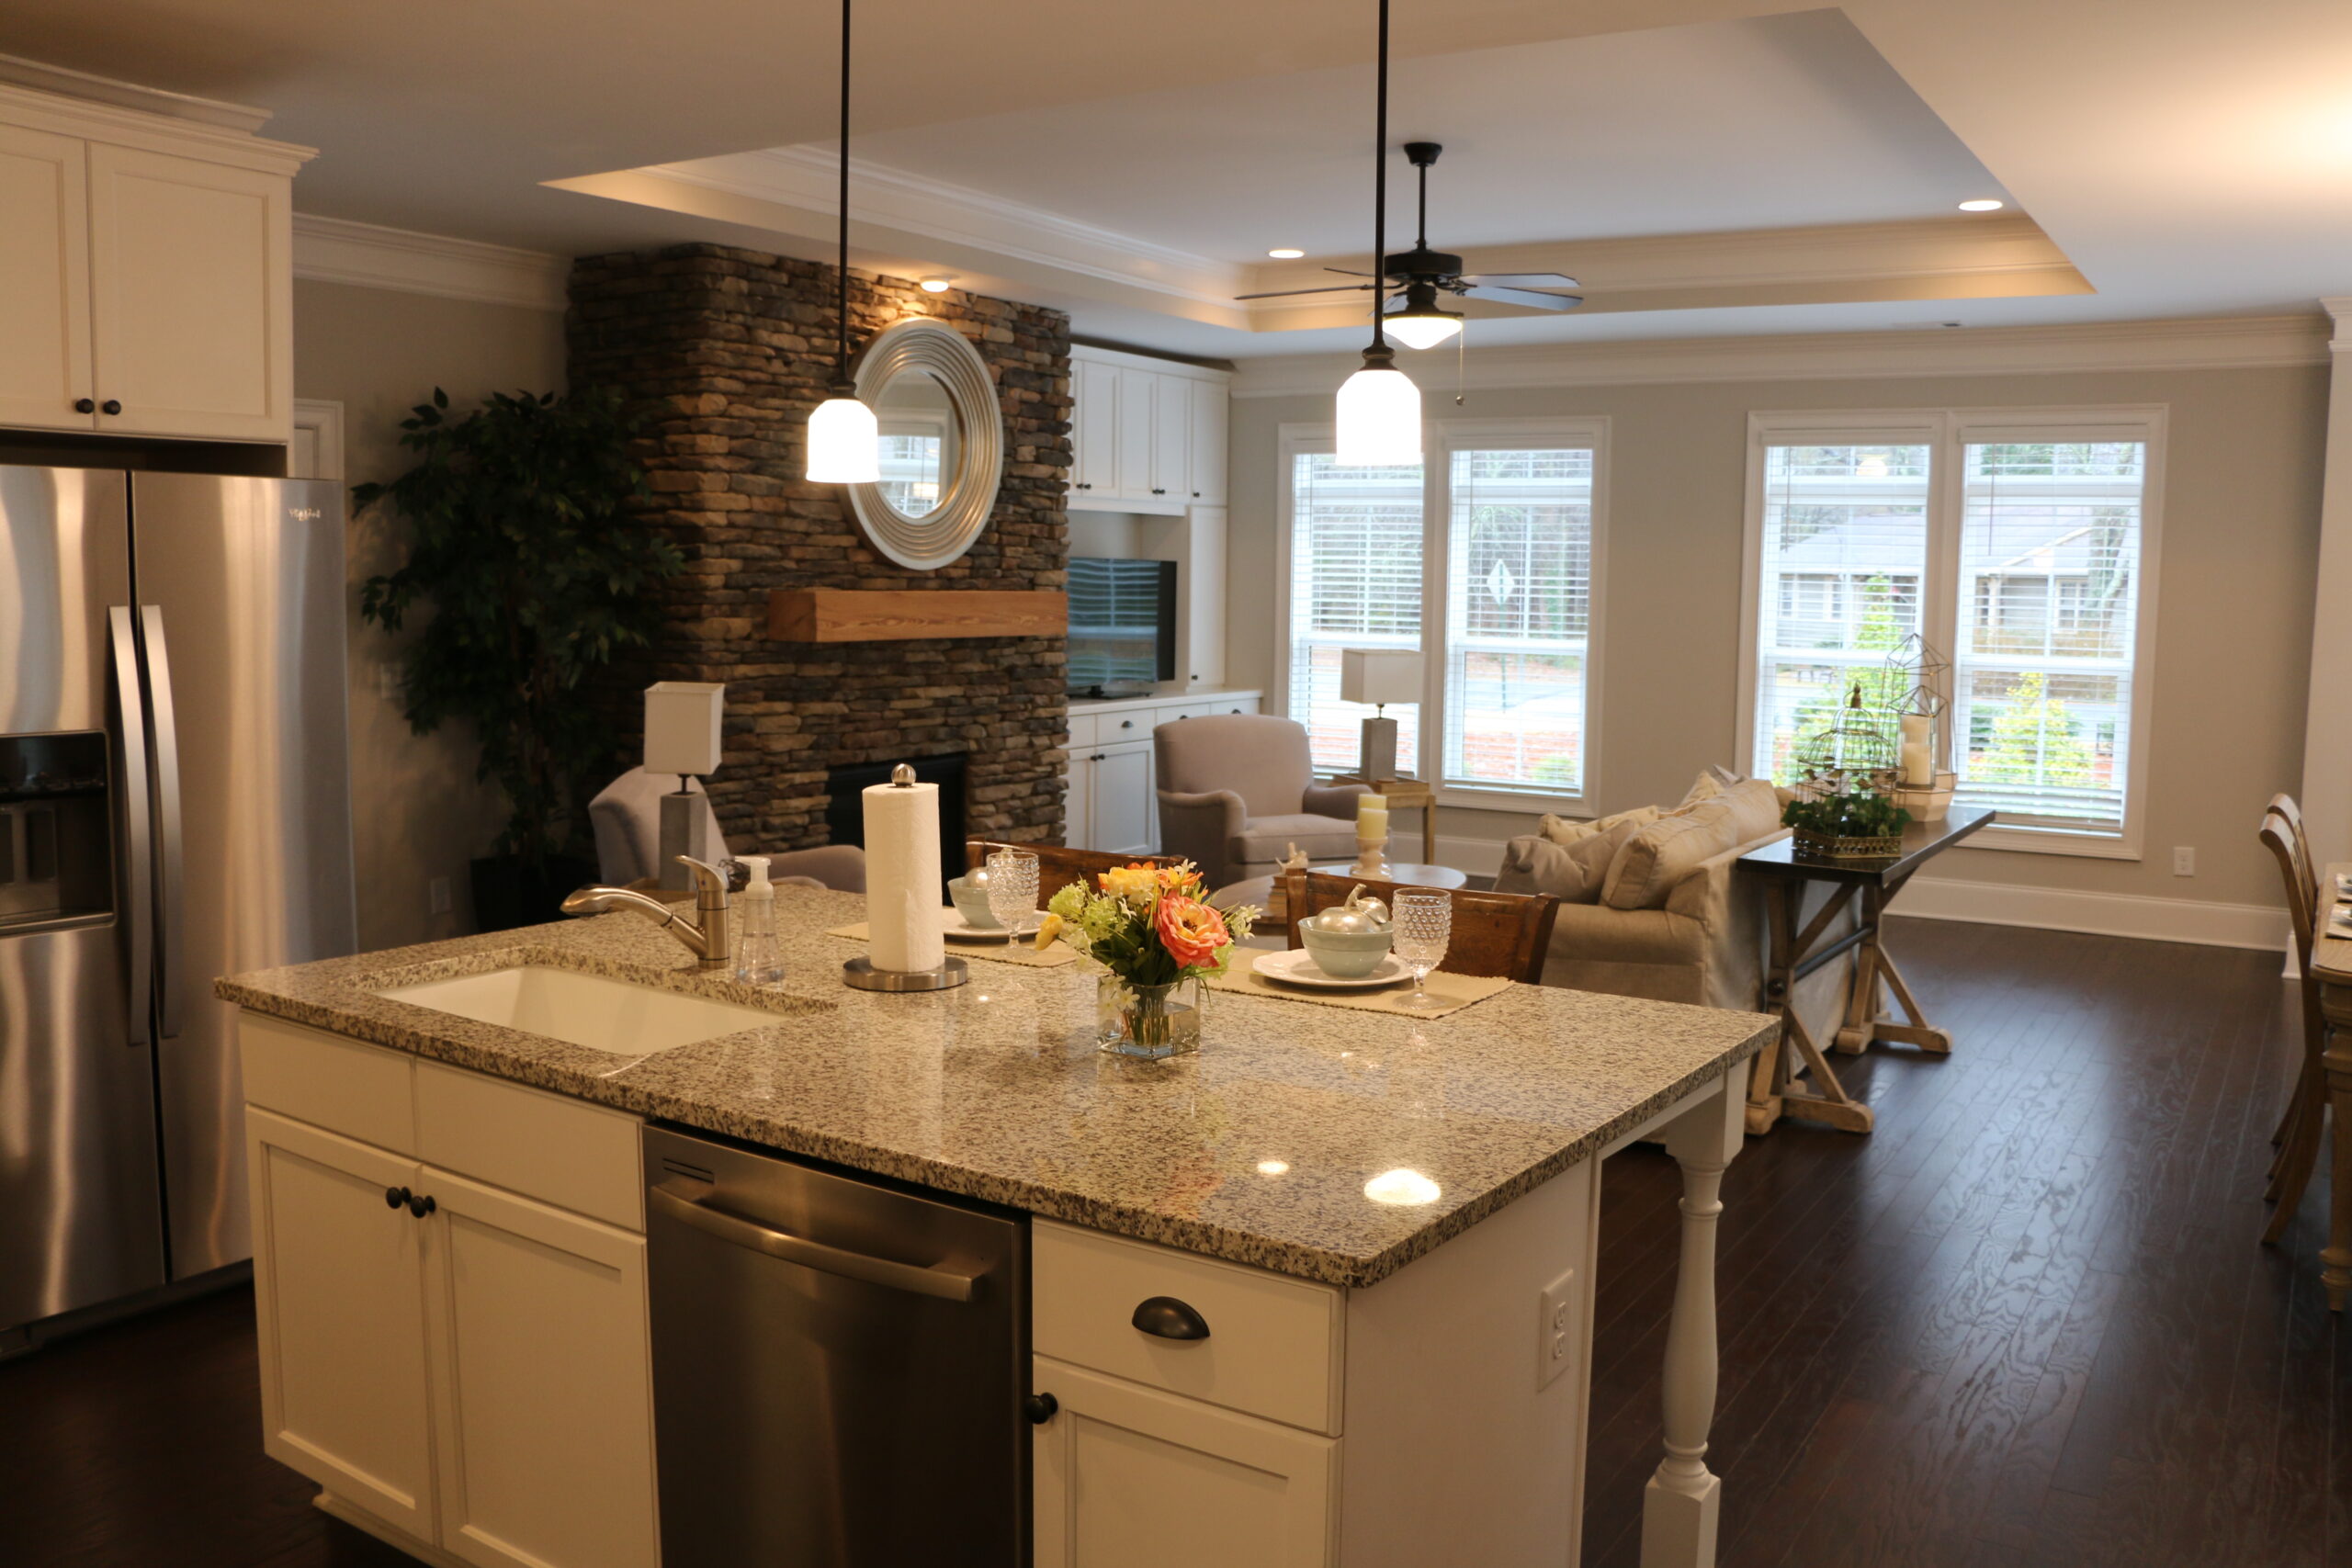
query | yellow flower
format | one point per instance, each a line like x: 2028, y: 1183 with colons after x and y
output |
x: 1049, y: 931
x: 1131, y: 882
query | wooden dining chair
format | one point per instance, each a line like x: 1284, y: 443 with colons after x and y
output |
x: 2303, y: 1127
x: 1508, y: 934
x: 2305, y: 873
x: 1059, y: 866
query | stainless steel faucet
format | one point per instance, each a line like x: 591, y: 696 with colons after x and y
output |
x: 709, y: 939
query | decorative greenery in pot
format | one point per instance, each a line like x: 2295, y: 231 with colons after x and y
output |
x: 1852, y: 824
x: 523, y: 549
x: 1149, y: 929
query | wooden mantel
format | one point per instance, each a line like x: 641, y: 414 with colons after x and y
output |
x: 899, y: 614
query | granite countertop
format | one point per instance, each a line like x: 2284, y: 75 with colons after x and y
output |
x: 1257, y: 1150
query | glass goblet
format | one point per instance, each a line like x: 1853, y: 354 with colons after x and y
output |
x: 1013, y: 888
x: 1424, y: 925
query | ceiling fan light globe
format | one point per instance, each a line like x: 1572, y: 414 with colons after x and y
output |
x: 1379, y: 419
x: 1422, y: 329
x: 844, y: 443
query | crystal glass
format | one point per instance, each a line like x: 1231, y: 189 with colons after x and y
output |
x: 1013, y: 888
x: 1149, y: 1023
x: 1424, y: 923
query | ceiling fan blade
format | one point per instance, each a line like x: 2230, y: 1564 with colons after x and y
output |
x: 1286, y: 293
x: 1347, y: 272
x: 1522, y: 279
x: 1526, y: 296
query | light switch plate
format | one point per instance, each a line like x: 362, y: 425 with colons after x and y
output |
x: 436, y: 893
x: 1556, y: 1329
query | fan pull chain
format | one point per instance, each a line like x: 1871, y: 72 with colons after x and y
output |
x: 1461, y: 364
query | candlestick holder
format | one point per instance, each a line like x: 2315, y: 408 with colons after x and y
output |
x: 1372, y: 859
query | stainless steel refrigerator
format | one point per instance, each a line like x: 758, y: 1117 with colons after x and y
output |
x: 175, y: 805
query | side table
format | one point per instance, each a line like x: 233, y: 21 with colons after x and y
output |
x: 1411, y: 795
x: 1795, y: 953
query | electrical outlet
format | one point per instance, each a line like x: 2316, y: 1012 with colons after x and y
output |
x: 436, y: 894
x: 1555, y: 1328
x: 2184, y: 861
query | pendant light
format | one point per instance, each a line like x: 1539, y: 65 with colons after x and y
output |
x: 844, y: 441
x: 1420, y: 324
x: 1379, y: 408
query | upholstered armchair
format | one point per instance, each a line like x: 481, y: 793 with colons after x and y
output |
x: 626, y: 815
x: 1236, y: 789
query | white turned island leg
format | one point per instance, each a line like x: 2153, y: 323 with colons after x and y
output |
x: 1680, y: 1506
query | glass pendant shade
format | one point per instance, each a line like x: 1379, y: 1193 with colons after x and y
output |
x: 1422, y: 329
x: 1379, y: 418
x: 844, y: 443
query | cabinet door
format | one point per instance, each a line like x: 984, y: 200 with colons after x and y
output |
x: 1078, y: 803
x: 1134, y: 427
x: 191, y: 297
x: 1128, y: 1477
x: 44, y: 280
x: 1207, y: 440
x: 1123, y: 798
x: 544, y: 1419
x: 1094, y: 435
x: 1172, y: 421
x: 339, y: 1302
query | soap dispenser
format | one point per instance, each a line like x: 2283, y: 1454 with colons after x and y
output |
x: 758, y: 962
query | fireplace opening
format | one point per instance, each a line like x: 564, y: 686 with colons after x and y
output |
x: 846, y: 807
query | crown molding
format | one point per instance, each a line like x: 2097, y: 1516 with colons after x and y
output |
x: 42, y: 77
x: 367, y: 255
x: 804, y: 177
x: 2228, y: 342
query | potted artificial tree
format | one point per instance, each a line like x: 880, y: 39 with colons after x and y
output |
x: 525, y: 550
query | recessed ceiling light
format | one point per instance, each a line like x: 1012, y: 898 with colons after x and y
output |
x: 1286, y: 253
x: 1983, y: 204
x: 934, y: 285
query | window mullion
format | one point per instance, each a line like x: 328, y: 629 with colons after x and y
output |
x: 1437, y: 543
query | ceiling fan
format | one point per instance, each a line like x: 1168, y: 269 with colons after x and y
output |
x: 1414, y: 316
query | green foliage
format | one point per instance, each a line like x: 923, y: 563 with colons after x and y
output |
x: 2035, y: 740
x: 1850, y: 816
x: 523, y: 549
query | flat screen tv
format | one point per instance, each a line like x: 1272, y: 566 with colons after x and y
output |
x: 1121, y: 626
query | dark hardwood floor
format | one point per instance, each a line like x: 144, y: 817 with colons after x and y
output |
x: 2025, y: 1323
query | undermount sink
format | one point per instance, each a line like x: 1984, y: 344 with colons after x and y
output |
x: 583, y: 1010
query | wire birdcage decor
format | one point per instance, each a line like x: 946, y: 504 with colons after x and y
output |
x: 1857, y: 754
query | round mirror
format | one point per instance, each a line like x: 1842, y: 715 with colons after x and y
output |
x: 942, y: 444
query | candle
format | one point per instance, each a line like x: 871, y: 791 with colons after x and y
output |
x: 1916, y: 774
x: 1372, y: 816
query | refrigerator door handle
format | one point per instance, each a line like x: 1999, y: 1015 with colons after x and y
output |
x: 139, y: 871
x: 169, y: 900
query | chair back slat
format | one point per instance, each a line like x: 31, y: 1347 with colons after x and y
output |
x: 2285, y: 806
x: 2303, y: 908
x: 1505, y: 934
x: 1059, y: 866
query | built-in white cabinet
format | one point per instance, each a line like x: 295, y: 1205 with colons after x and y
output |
x: 463, y: 1361
x: 146, y: 272
x: 1112, y: 802
x: 1148, y: 436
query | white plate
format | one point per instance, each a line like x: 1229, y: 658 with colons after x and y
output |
x: 957, y: 929
x: 1295, y: 966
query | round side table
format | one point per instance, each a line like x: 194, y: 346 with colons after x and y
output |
x: 1404, y: 874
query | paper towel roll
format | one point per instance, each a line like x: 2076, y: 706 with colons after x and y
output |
x: 902, y: 885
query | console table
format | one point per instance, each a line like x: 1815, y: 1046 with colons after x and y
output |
x: 2332, y: 967
x: 1773, y: 1091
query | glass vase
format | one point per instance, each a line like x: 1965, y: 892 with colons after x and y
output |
x: 1149, y: 1022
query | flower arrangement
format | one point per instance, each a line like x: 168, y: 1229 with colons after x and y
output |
x: 1151, y: 929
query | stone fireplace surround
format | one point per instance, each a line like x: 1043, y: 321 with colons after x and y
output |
x: 726, y: 351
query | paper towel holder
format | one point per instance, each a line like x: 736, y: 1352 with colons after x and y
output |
x: 859, y: 975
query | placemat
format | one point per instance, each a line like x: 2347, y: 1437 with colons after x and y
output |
x: 1456, y: 991
x: 1020, y: 952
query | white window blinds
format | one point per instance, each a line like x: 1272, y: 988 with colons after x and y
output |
x: 2049, y: 594
x: 1843, y: 553
x: 1356, y: 582
x: 1518, y: 616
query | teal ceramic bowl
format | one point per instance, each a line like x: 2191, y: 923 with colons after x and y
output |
x: 1346, y: 955
x: 972, y: 903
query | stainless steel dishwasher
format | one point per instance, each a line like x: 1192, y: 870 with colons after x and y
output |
x: 839, y: 1365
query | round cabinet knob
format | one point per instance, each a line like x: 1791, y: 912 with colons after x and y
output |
x: 1165, y: 1317
x: 421, y: 1205
x: 83, y: 405
x: 1127, y: 723
x: 1196, y: 495
x: 395, y: 1196
x: 110, y: 406
x: 1157, y: 490
x: 1040, y: 1408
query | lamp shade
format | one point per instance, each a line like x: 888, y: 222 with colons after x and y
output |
x: 1379, y: 419
x: 1377, y: 675
x: 1422, y: 329
x: 844, y: 443
x: 682, y: 726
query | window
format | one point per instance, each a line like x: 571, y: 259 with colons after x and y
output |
x: 1497, y: 531
x: 2022, y: 544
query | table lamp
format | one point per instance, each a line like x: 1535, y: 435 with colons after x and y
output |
x: 681, y: 738
x: 1379, y: 676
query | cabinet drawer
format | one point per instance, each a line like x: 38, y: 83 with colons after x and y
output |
x: 1273, y: 1344
x: 1110, y: 729
x: 360, y: 1091
x: 1081, y: 730
x: 577, y: 1157
x: 1189, y: 710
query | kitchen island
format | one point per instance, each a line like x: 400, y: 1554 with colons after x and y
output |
x: 1395, y: 1219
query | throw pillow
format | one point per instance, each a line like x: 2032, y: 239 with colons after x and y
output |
x: 1572, y: 873
x: 1566, y: 831
x: 1657, y: 857
x: 1755, y: 807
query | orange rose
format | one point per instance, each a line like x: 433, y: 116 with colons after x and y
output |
x: 1191, y: 931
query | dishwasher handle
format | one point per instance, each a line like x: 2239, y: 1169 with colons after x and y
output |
x: 946, y: 1284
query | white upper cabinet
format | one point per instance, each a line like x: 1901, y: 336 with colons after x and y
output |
x: 146, y: 272
x: 44, y: 281
x: 1146, y: 436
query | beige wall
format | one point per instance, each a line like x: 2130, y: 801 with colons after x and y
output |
x: 2241, y: 533
x: 417, y: 811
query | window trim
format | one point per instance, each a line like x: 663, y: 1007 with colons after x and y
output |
x: 1947, y: 432
x: 1439, y: 440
